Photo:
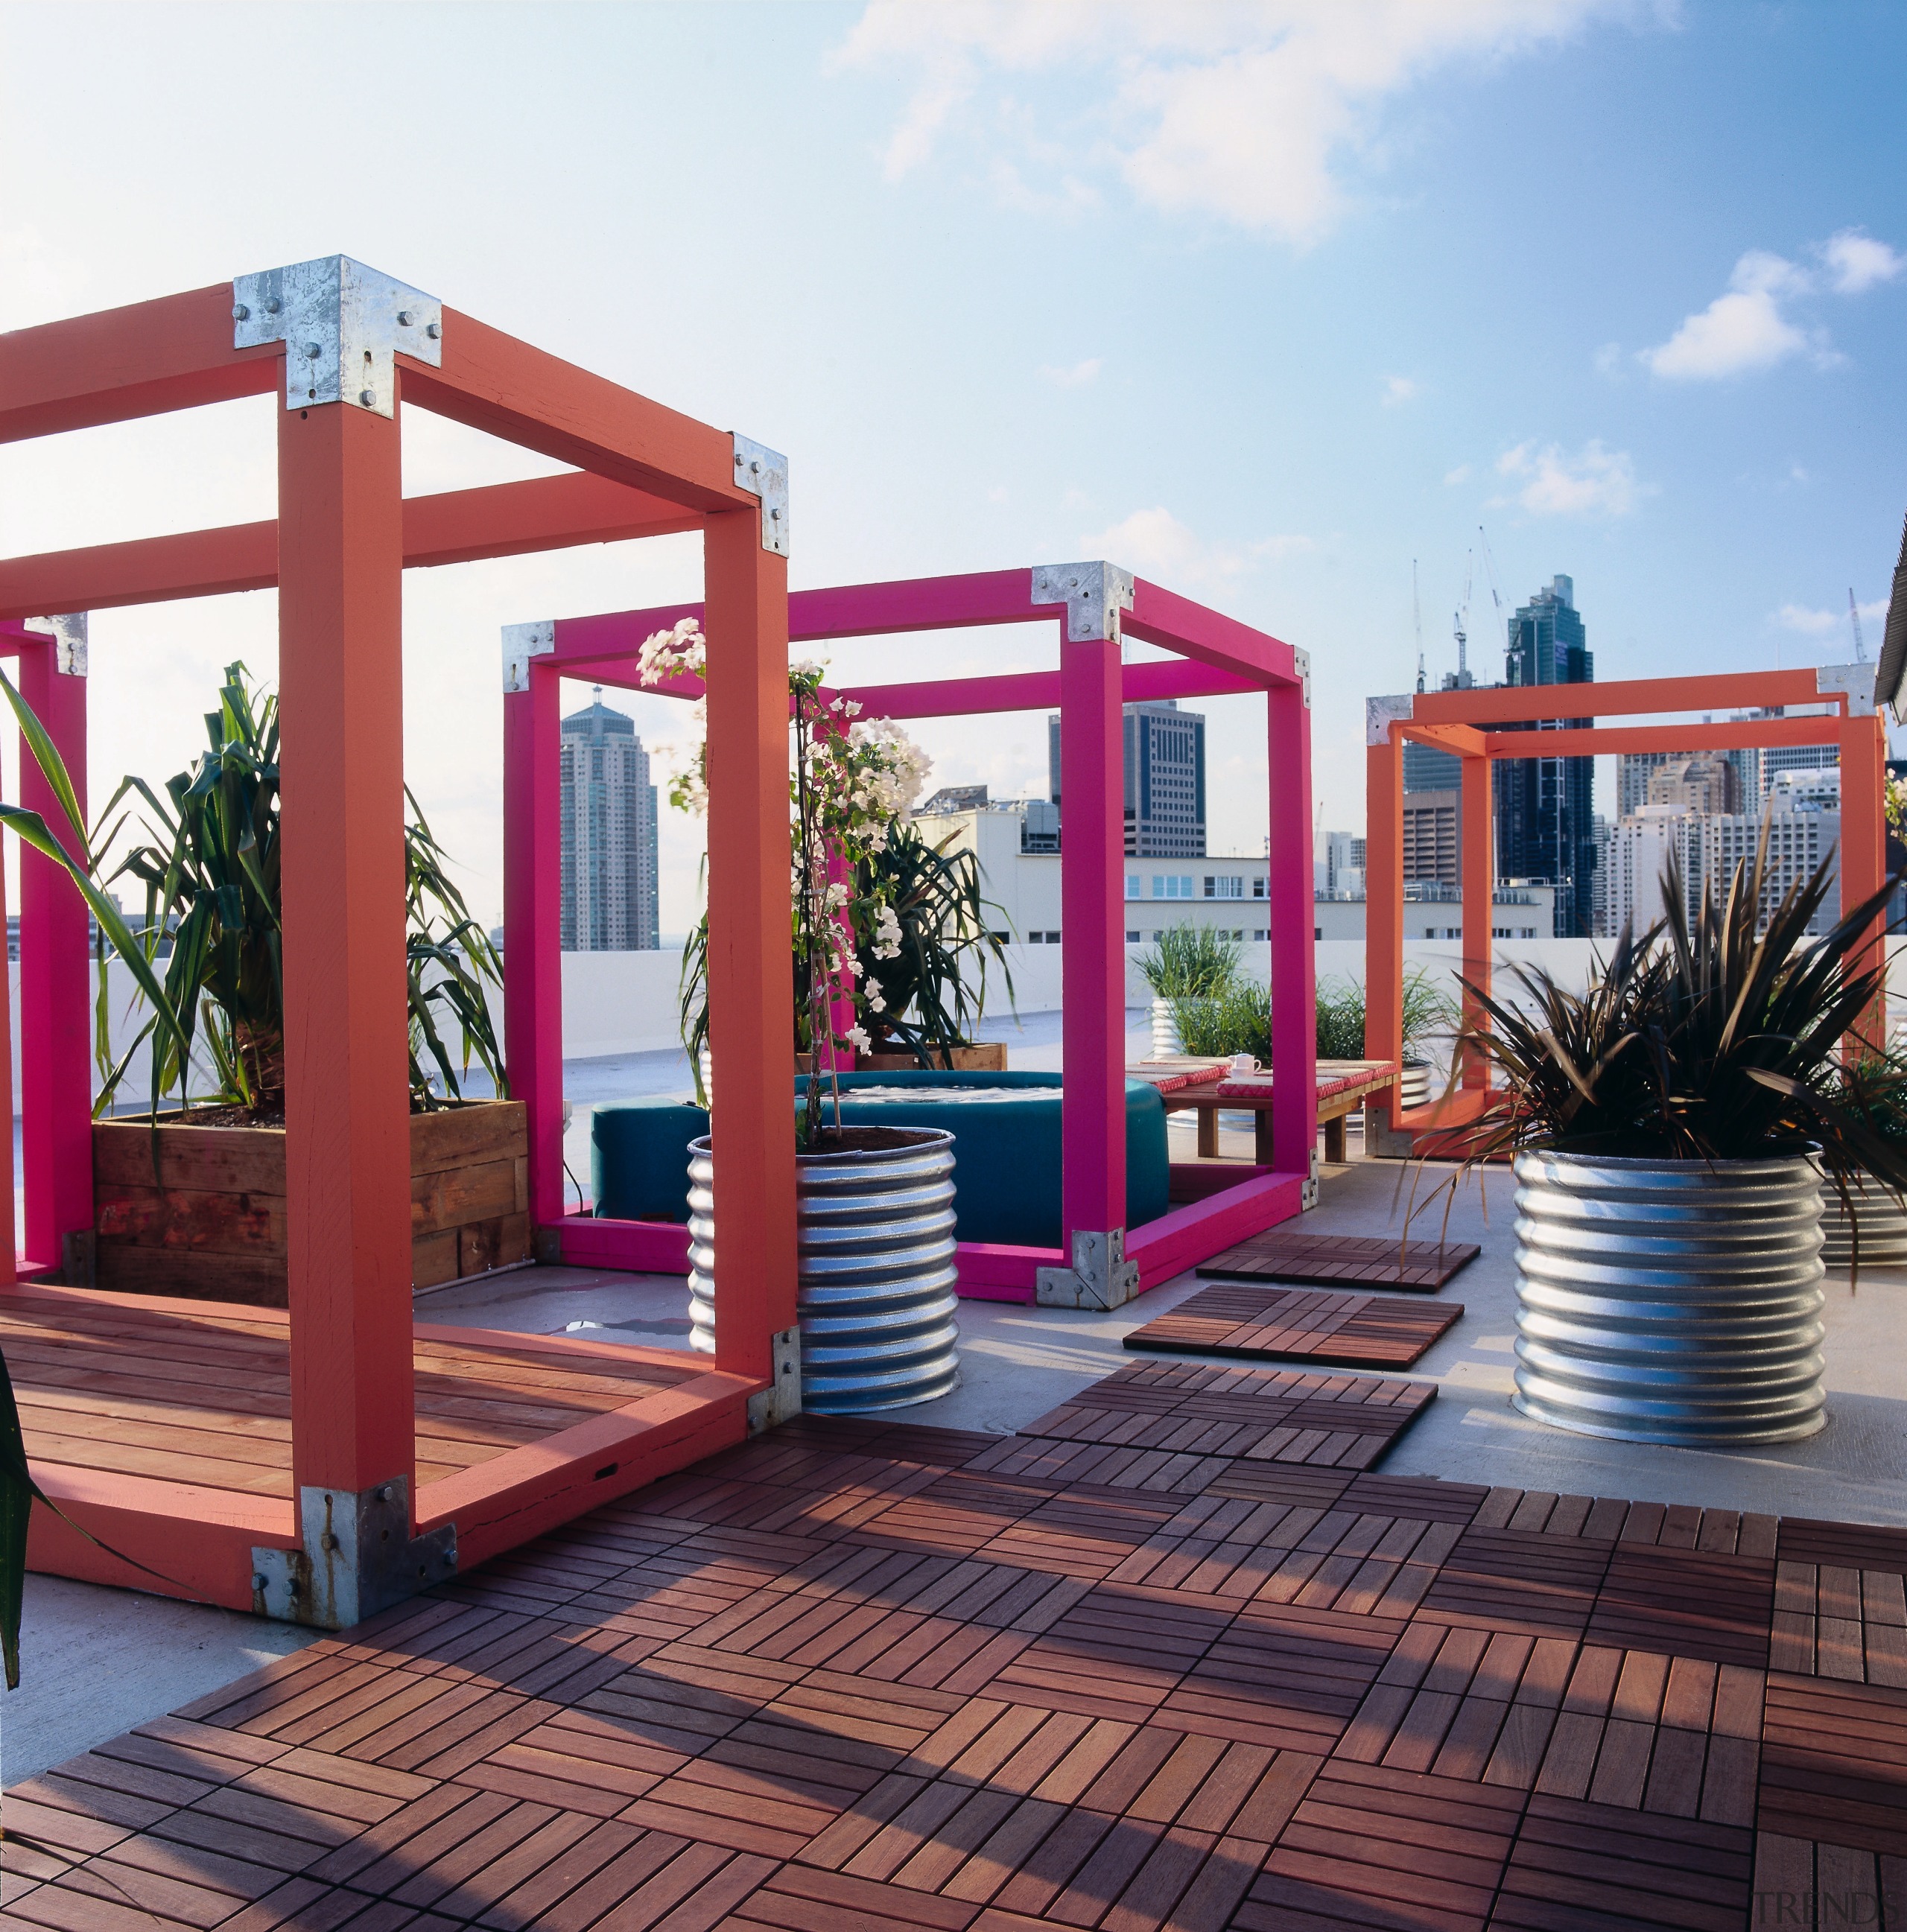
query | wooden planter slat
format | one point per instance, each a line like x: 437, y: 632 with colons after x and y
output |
x: 212, y: 1226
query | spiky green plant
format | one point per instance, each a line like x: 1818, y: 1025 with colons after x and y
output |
x: 1235, y: 1018
x: 211, y: 868
x: 1189, y: 962
x: 930, y: 977
x: 1716, y: 1038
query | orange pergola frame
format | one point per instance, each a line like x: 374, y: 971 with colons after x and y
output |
x: 345, y: 347
x: 1471, y: 724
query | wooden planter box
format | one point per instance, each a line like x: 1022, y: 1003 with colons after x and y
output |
x: 988, y: 1056
x: 212, y: 1226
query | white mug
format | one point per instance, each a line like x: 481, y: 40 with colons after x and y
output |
x: 1242, y: 1064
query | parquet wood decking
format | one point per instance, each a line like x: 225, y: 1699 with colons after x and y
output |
x: 861, y: 1677
x: 1341, y: 1261
x: 205, y: 1397
x: 1368, y: 1331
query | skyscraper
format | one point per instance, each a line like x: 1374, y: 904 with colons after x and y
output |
x: 608, y: 835
x: 1164, y: 760
x: 1545, y: 807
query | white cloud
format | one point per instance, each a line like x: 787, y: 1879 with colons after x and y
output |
x: 1077, y: 376
x: 1459, y: 475
x: 1398, y: 389
x: 1608, y: 359
x: 1247, y: 111
x: 1154, y: 543
x: 1749, y: 327
x: 1743, y: 330
x: 1856, y: 261
x: 1598, y: 482
x: 1810, y: 623
x: 1813, y: 623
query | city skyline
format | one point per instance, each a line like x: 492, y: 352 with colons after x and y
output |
x: 1658, y: 354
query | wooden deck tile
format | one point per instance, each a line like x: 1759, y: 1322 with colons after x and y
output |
x: 1834, y: 1762
x: 1264, y: 1324
x: 1173, y: 1659
x: 1342, y: 1261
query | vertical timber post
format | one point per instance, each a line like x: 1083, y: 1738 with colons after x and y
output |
x: 55, y: 1003
x: 1092, y: 913
x: 1383, y: 913
x: 532, y: 915
x: 1289, y: 889
x: 751, y: 970
x: 1863, y: 746
x: 1477, y: 872
x: 347, y: 1106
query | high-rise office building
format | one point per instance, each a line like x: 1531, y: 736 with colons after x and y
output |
x: 1545, y: 807
x: 608, y: 811
x: 1164, y: 760
x: 1634, y: 770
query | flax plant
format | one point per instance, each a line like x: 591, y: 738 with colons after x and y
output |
x: 1719, y: 1037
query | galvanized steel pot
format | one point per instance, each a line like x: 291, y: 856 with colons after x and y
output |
x: 1669, y: 1300
x: 1166, y: 1042
x: 1878, y: 1214
x: 874, y: 1244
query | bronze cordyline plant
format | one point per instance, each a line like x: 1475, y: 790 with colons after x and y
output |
x: 1719, y: 1037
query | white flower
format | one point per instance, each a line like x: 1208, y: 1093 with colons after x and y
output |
x: 671, y: 653
x: 874, y: 999
x: 856, y: 1036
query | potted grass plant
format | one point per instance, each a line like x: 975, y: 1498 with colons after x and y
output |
x: 1670, y: 1129
x: 189, y: 1196
x: 1187, y: 963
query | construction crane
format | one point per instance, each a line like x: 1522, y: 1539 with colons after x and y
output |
x: 1860, y: 642
x: 1417, y: 619
x: 1490, y: 570
x: 1460, y: 623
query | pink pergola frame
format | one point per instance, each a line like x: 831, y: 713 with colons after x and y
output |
x: 1094, y: 605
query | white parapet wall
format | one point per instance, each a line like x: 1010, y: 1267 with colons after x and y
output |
x: 622, y: 1003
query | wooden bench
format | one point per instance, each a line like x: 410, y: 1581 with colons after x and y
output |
x: 1342, y: 1087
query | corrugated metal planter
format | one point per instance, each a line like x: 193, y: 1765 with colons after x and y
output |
x: 875, y: 1239
x: 1413, y: 1083
x: 1880, y: 1216
x: 1166, y: 1042
x: 1669, y: 1300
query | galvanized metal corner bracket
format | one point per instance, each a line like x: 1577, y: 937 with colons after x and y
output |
x: 763, y: 472
x: 341, y: 324
x: 1100, y: 1276
x: 1381, y: 713
x: 781, y: 1401
x: 1093, y: 593
x: 1301, y: 662
x: 522, y: 642
x: 69, y: 635
x: 357, y: 1557
x: 1856, y: 679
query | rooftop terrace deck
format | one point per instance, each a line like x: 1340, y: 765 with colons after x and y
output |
x: 889, y: 1678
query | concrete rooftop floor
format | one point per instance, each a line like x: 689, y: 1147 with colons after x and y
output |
x: 97, y: 1661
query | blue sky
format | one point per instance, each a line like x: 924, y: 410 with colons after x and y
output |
x: 1264, y: 300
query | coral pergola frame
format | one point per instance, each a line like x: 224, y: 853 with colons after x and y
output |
x: 344, y: 347
x: 1475, y: 725
x: 1093, y: 604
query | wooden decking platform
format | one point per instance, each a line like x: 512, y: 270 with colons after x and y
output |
x: 164, y: 1428
x: 1260, y: 1322
x: 1342, y: 1261
x: 205, y: 1397
x: 854, y: 1678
